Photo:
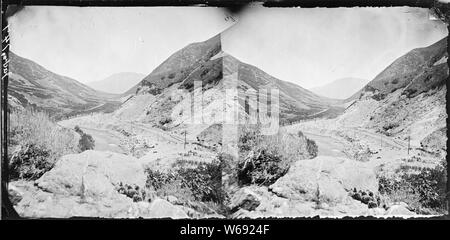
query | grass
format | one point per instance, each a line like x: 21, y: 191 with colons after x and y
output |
x: 423, y: 189
x: 201, y: 182
x: 36, y: 142
x: 266, y: 158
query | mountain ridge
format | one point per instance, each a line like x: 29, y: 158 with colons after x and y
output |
x: 117, y: 83
x: 32, y: 85
x: 418, y: 65
x: 207, y: 62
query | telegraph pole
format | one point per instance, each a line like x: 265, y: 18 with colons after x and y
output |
x: 185, y: 139
x: 409, y: 140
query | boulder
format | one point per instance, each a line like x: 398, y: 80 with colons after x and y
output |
x: 245, y: 199
x: 326, y: 179
x: 399, y: 210
x: 173, y: 200
x: 15, y: 195
x: 84, y: 184
x: 92, y: 174
x: 160, y: 208
x: 40, y: 204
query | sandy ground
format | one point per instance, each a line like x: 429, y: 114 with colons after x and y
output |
x: 327, y: 145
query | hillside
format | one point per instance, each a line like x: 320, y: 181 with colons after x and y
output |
x: 418, y: 71
x: 178, y: 66
x: 172, y: 84
x: 31, y: 85
x: 407, y: 99
x: 117, y: 83
x: 341, y: 88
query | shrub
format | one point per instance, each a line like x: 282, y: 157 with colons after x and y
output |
x: 132, y: 191
x: 265, y: 158
x: 390, y: 125
x: 201, y: 183
x: 205, y: 181
x: 36, y: 142
x: 177, y: 189
x: 261, y: 167
x: 172, y: 75
x: 86, y: 142
x: 312, y: 148
x: 30, y: 162
x: 422, y: 189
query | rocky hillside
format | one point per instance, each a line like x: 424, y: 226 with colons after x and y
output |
x: 178, y: 66
x: 172, y: 84
x: 407, y: 99
x: 117, y: 83
x: 31, y: 85
x: 417, y: 71
x: 295, y: 102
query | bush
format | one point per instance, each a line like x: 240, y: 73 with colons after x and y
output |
x: 312, y: 148
x: 261, y: 167
x: 30, y: 162
x: 172, y: 75
x: 36, y: 142
x: 422, y: 190
x: 205, y: 181
x: 86, y: 142
x: 201, y: 183
x: 265, y: 158
x: 132, y: 191
x: 164, y: 120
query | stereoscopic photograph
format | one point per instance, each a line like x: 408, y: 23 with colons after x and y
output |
x: 195, y: 112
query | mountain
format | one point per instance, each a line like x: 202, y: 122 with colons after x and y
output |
x: 117, y: 83
x: 31, y: 85
x: 417, y: 71
x: 341, y: 88
x: 407, y: 99
x: 164, y: 96
x: 179, y: 65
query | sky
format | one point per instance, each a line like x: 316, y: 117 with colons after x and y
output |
x: 90, y: 44
x: 312, y: 47
x: 309, y: 47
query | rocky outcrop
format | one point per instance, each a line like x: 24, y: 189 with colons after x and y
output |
x: 159, y: 208
x: 92, y: 174
x: 245, y: 199
x: 400, y: 209
x: 85, y: 185
x: 326, y: 179
x: 31, y: 85
x: 270, y: 205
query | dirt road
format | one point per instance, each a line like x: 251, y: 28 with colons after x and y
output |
x: 327, y: 145
x: 105, y: 140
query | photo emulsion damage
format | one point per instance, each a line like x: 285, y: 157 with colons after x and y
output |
x: 192, y: 112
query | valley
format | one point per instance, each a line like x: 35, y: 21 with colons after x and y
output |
x: 159, y: 151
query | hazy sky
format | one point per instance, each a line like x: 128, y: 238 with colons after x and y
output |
x: 312, y: 47
x: 309, y: 47
x: 90, y: 44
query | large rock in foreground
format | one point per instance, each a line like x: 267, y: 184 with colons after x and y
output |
x: 92, y: 174
x: 85, y: 185
x: 326, y: 179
